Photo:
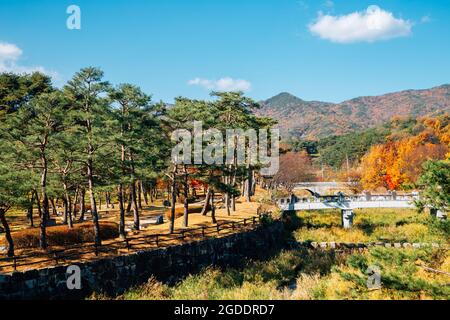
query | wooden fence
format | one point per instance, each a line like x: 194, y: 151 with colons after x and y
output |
x: 145, y: 242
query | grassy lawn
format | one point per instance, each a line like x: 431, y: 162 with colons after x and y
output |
x: 314, y: 274
x: 390, y: 225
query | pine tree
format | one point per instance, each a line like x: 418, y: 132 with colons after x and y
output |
x: 89, y: 110
x: 138, y: 142
x: 33, y: 128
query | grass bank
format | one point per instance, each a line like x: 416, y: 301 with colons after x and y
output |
x: 390, y: 225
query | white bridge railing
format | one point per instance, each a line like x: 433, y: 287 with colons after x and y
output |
x: 344, y: 202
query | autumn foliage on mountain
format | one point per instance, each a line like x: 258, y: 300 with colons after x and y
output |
x: 397, y: 163
x: 315, y: 120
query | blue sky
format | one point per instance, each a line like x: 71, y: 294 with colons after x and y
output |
x: 316, y: 50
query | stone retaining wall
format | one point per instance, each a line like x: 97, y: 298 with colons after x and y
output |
x: 114, y: 275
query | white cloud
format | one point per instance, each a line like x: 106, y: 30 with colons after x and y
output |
x: 9, y: 54
x: 9, y: 51
x: 223, y: 84
x: 370, y: 25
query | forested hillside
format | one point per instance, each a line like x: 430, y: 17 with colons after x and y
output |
x: 390, y: 156
x: 334, y: 151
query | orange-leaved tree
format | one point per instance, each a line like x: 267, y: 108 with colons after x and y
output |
x: 398, y: 162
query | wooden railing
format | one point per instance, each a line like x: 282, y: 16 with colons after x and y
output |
x: 71, y: 253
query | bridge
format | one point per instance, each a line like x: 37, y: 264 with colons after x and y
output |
x: 318, y: 188
x: 348, y: 203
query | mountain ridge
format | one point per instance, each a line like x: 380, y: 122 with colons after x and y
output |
x: 317, y: 119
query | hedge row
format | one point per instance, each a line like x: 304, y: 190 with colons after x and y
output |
x: 63, y: 235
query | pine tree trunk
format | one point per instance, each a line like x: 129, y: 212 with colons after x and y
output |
x: 139, y: 194
x: 122, y: 213
x: 144, y: 192
x: 227, y: 203
x: 106, y: 200
x: 30, y: 211
x: 66, y: 210
x: 248, y: 185
x: 38, y: 203
x: 9, y: 239
x: 213, y: 208
x: 253, y: 183
x: 74, y: 205
x: 67, y: 207
x: 43, y: 224
x: 151, y: 193
x: 207, y: 200
x: 233, y: 183
x: 186, y: 196
x: 110, y: 204
x: 45, y: 205
x: 94, y: 212
x: 82, y: 205
x: 54, y: 211
x: 66, y: 204
x: 174, y: 199
x: 69, y: 211
x: 129, y: 202
x: 121, y: 195
x: 136, y: 224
